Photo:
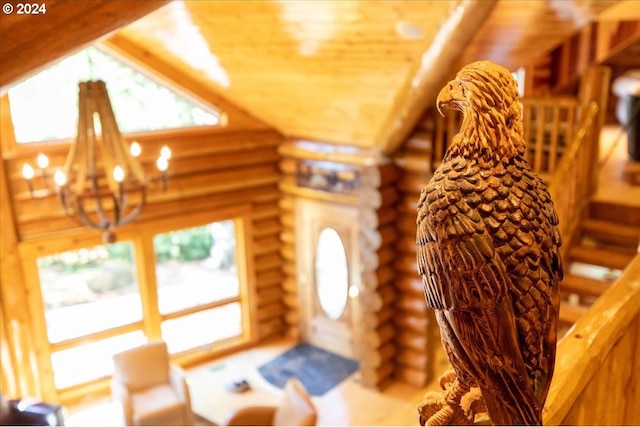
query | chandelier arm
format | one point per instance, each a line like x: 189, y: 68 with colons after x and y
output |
x: 120, y: 149
x: 137, y: 210
x: 108, y: 156
x: 86, y: 220
x: 90, y: 138
x: 111, y: 135
x: 78, y: 151
x: 118, y: 207
x: 97, y: 197
x: 63, y: 198
x: 135, y: 166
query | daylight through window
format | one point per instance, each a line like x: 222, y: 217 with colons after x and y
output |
x: 94, y: 304
x: 50, y: 99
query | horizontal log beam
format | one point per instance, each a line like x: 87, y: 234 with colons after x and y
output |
x: 69, y: 26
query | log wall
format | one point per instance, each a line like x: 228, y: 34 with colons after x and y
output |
x: 377, y: 236
x: 418, y: 334
x: 221, y: 168
x: 212, y: 168
x: 600, y: 42
x: 375, y: 197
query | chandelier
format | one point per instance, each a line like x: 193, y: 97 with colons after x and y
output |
x: 102, y: 184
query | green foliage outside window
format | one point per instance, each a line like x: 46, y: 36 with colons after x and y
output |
x: 87, y: 259
x: 185, y: 245
x: 83, y: 275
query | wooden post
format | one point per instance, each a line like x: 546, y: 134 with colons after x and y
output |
x: 15, y: 318
x: 595, y: 86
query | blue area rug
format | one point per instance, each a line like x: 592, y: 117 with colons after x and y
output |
x: 318, y: 369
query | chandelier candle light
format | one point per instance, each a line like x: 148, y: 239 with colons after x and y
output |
x: 102, y: 184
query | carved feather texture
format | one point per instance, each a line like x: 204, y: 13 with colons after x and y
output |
x: 488, y: 251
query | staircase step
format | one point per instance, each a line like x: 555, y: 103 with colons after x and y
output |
x: 583, y: 285
x: 598, y: 256
x: 610, y: 232
x: 570, y: 313
x: 613, y: 212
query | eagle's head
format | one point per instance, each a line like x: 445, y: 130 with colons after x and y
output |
x: 487, y: 95
x: 481, y: 86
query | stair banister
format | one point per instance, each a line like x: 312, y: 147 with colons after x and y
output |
x: 597, y: 369
x: 569, y: 186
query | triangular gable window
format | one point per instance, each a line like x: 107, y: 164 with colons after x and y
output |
x: 45, y: 106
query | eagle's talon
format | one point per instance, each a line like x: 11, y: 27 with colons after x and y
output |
x: 447, y: 379
x: 472, y: 403
x: 456, y: 405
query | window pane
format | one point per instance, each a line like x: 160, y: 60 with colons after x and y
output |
x: 196, y: 266
x: 89, y: 290
x: 91, y: 361
x: 332, y: 273
x: 50, y: 98
x: 202, y: 328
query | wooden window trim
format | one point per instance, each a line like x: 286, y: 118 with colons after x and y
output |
x: 150, y: 324
x: 11, y: 149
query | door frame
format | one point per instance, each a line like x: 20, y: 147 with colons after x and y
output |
x: 312, y: 217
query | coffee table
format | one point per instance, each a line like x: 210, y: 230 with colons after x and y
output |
x: 211, y: 399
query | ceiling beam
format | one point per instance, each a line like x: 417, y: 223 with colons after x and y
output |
x: 433, y: 69
x: 30, y: 43
x: 163, y: 71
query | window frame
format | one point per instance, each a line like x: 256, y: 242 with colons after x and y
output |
x: 12, y: 149
x: 151, y: 75
x: 142, y: 241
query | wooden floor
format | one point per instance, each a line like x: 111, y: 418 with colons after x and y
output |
x: 350, y: 403
x: 347, y: 404
x: 619, y: 178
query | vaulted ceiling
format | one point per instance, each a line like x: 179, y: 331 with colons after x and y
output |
x: 356, y: 72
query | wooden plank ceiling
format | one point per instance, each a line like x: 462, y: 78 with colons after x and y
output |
x: 354, y: 72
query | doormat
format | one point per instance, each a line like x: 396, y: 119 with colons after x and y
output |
x: 317, y: 369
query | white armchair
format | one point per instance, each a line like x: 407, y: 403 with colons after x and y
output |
x: 150, y: 390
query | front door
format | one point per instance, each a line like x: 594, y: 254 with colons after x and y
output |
x: 327, y: 271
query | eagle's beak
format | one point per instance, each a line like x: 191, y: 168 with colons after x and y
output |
x: 444, y: 99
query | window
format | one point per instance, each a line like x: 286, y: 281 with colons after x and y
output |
x: 87, y: 291
x: 50, y: 99
x: 198, y: 285
x: 202, y: 328
x: 186, y: 286
x: 71, y: 366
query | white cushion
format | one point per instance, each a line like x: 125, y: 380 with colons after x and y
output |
x: 159, y: 405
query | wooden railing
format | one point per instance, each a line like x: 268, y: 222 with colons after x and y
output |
x: 597, y: 371
x: 569, y: 183
x: 550, y: 124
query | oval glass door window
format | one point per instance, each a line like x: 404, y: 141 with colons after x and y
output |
x: 332, y: 277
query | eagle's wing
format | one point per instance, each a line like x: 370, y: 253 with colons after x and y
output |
x: 466, y: 281
x: 536, y: 269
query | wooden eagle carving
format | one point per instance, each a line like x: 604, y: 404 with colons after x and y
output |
x: 488, y: 254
